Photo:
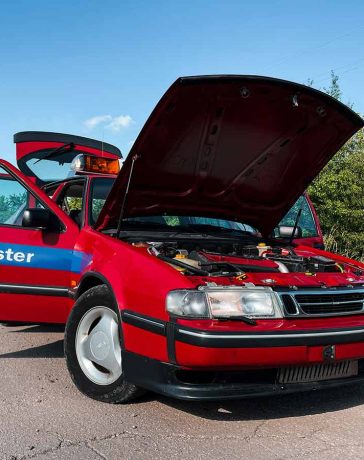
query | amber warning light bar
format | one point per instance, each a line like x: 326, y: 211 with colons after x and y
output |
x: 91, y: 164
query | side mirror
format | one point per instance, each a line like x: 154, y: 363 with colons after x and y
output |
x: 285, y: 231
x: 40, y: 218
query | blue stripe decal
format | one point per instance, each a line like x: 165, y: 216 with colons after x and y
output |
x: 22, y: 255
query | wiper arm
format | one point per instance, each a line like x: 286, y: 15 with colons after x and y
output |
x: 128, y: 223
x: 295, y: 226
x: 217, y: 229
x: 143, y: 224
x: 66, y: 148
x: 244, y: 319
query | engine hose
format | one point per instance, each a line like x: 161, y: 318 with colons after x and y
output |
x: 281, y: 267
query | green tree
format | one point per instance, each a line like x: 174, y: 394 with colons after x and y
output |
x: 338, y: 194
x: 11, y: 204
x: 334, y: 88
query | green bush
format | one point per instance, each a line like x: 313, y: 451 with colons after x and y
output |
x: 338, y: 195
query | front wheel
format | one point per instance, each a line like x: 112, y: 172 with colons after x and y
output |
x: 93, y: 351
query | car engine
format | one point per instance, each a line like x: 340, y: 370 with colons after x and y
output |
x: 231, y: 259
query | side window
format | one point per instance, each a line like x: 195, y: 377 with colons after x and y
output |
x: 100, y: 189
x: 50, y: 190
x: 307, y: 221
x: 71, y: 201
x: 14, y: 200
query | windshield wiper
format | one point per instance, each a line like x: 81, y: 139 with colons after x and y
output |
x: 217, y: 229
x: 244, y: 319
x: 158, y: 226
x: 143, y: 224
x: 295, y: 226
x: 66, y: 148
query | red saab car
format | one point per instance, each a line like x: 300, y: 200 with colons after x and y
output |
x: 175, y: 284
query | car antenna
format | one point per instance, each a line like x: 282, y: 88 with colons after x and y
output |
x: 122, y: 210
x: 102, y: 142
x: 295, y: 225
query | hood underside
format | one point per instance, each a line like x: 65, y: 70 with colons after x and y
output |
x: 236, y: 147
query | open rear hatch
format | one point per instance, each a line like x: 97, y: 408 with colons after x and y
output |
x: 48, y: 156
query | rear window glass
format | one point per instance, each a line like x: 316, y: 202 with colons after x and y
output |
x: 56, y: 168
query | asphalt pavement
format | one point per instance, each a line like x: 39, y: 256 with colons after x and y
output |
x: 43, y: 416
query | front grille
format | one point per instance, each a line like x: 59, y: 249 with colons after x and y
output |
x: 261, y: 378
x: 318, y: 372
x: 325, y: 308
x: 315, y: 302
x: 332, y: 297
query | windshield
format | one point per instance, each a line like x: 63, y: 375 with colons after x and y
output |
x: 306, y: 222
x: 175, y: 222
x: 101, y: 188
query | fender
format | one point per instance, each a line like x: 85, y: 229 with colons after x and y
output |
x: 91, y: 279
x: 143, y: 290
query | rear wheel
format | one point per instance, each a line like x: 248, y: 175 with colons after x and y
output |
x: 93, y: 350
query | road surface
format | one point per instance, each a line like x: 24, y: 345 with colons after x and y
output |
x: 43, y: 416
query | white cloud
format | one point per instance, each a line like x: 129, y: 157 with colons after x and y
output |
x: 91, y: 123
x: 114, y: 123
x: 122, y: 121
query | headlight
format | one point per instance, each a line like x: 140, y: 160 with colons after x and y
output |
x: 256, y: 302
x: 192, y: 303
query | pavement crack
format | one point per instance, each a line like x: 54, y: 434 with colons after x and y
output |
x: 258, y: 427
x: 64, y: 443
x: 96, y: 451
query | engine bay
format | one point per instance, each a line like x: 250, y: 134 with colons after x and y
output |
x: 233, y: 258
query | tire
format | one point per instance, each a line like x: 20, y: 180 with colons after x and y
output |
x: 92, y: 348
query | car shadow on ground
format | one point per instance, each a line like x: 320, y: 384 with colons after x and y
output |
x: 274, y: 407
x: 52, y: 349
x: 260, y: 409
x: 31, y: 328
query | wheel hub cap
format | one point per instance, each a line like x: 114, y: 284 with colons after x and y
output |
x: 98, y: 346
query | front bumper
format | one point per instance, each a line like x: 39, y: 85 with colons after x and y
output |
x: 176, y: 360
x: 173, y: 381
x: 188, y: 347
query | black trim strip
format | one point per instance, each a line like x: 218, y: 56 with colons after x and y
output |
x: 51, y: 291
x: 239, y: 339
x: 270, y: 340
x: 171, y: 341
x: 144, y: 322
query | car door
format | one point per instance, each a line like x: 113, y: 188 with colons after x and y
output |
x: 37, y: 267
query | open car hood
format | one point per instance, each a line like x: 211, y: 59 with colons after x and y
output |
x: 35, y: 158
x: 236, y: 147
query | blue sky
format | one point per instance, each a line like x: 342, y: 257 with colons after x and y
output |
x: 97, y: 68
